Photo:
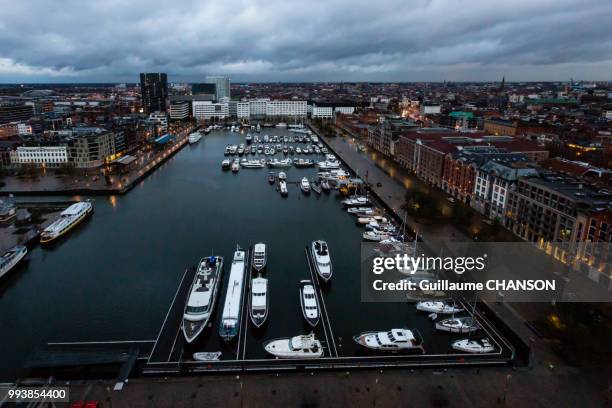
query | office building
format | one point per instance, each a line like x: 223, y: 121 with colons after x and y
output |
x: 222, y: 86
x: 15, y: 112
x: 154, y: 91
x: 206, y: 110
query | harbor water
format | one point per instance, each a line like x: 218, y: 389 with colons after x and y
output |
x: 114, y: 276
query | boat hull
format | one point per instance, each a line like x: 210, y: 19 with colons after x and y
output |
x: 20, y: 253
x: 49, y: 240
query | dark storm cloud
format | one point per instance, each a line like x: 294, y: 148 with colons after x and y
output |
x: 113, y: 40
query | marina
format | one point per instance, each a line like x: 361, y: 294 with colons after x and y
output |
x: 193, y: 229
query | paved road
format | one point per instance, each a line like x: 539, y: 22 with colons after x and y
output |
x: 393, y: 189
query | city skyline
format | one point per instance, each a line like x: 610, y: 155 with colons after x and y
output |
x: 332, y: 42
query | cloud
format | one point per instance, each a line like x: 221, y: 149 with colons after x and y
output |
x: 269, y: 40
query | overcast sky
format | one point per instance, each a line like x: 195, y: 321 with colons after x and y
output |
x: 306, y: 40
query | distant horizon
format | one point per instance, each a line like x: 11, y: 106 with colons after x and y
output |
x: 598, y: 81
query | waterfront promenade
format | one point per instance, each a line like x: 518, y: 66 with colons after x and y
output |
x: 391, y: 190
x: 93, y: 182
x: 473, y: 387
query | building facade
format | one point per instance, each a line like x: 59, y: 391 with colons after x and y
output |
x: 206, y: 110
x: 45, y: 156
x: 154, y: 91
x: 222, y: 86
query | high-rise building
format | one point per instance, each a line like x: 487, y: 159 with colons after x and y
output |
x: 222, y: 86
x: 203, y: 88
x: 154, y: 91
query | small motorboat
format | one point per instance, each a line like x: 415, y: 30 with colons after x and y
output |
x: 295, y: 347
x: 235, y: 166
x: 325, y: 186
x: 316, y: 188
x: 356, y: 201
x: 271, y: 177
x: 204, y: 356
x: 393, y: 340
x: 474, y: 345
x: 458, y: 325
x: 282, y: 176
x: 322, y: 260
x: 357, y: 210
x: 259, y: 301
x: 305, y: 185
x: 283, y: 187
x: 438, y: 307
x: 226, y: 164
x: 309, y: 303
x: 227, y: 150
x: 259, y: 256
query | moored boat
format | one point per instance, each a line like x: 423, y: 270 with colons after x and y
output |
x: 438, y: 307
x: 68, y: 219
x: 309, y: 303
x: 235, y: 166
x: 394, y: 340
x: 305, y: 185
x: 283, y: 187
x: 305, y: 346
x: 194, y: 137
x: 229, y: 325
x: 458, y: 325
x: 258, y: 310
x: 321, y: 258
x: 259, y: 256
x: 271, y: 177
x: 226, y: 164
x: 11, y: 258
x: 483, y: 345
x: 202, y: 297
x: 207, y: 356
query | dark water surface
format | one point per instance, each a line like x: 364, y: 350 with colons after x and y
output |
x: 114, y: 277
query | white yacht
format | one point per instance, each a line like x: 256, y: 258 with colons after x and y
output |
x: 281, y: 125
x: 235, y: 166
x: 377, y: 236
x: 194, y: 137
x: 229, y: 325
x: 11, y: 258
x: 280, y: 163
x: 295, y: 347
x: 283, y: 187
x: 328, y: 165
x: 202, y: 297
x: 325, y: 186
x: 360, y: 210
x: 458, y: 325
x: 373, y: 218
x: 322, y: 260
x: 207, y: 356
x: 305, y: 185
x: 438, y: 307
x: 393, y: 340
x: 282, y: 176
x: 67, y: 220
x: 253, y: 164
x: 259, y: 301
x: 358, y: 201
x: 226, y: 164
x: 474, y: 345
x: 259, y: 256
x: 309, y: 303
